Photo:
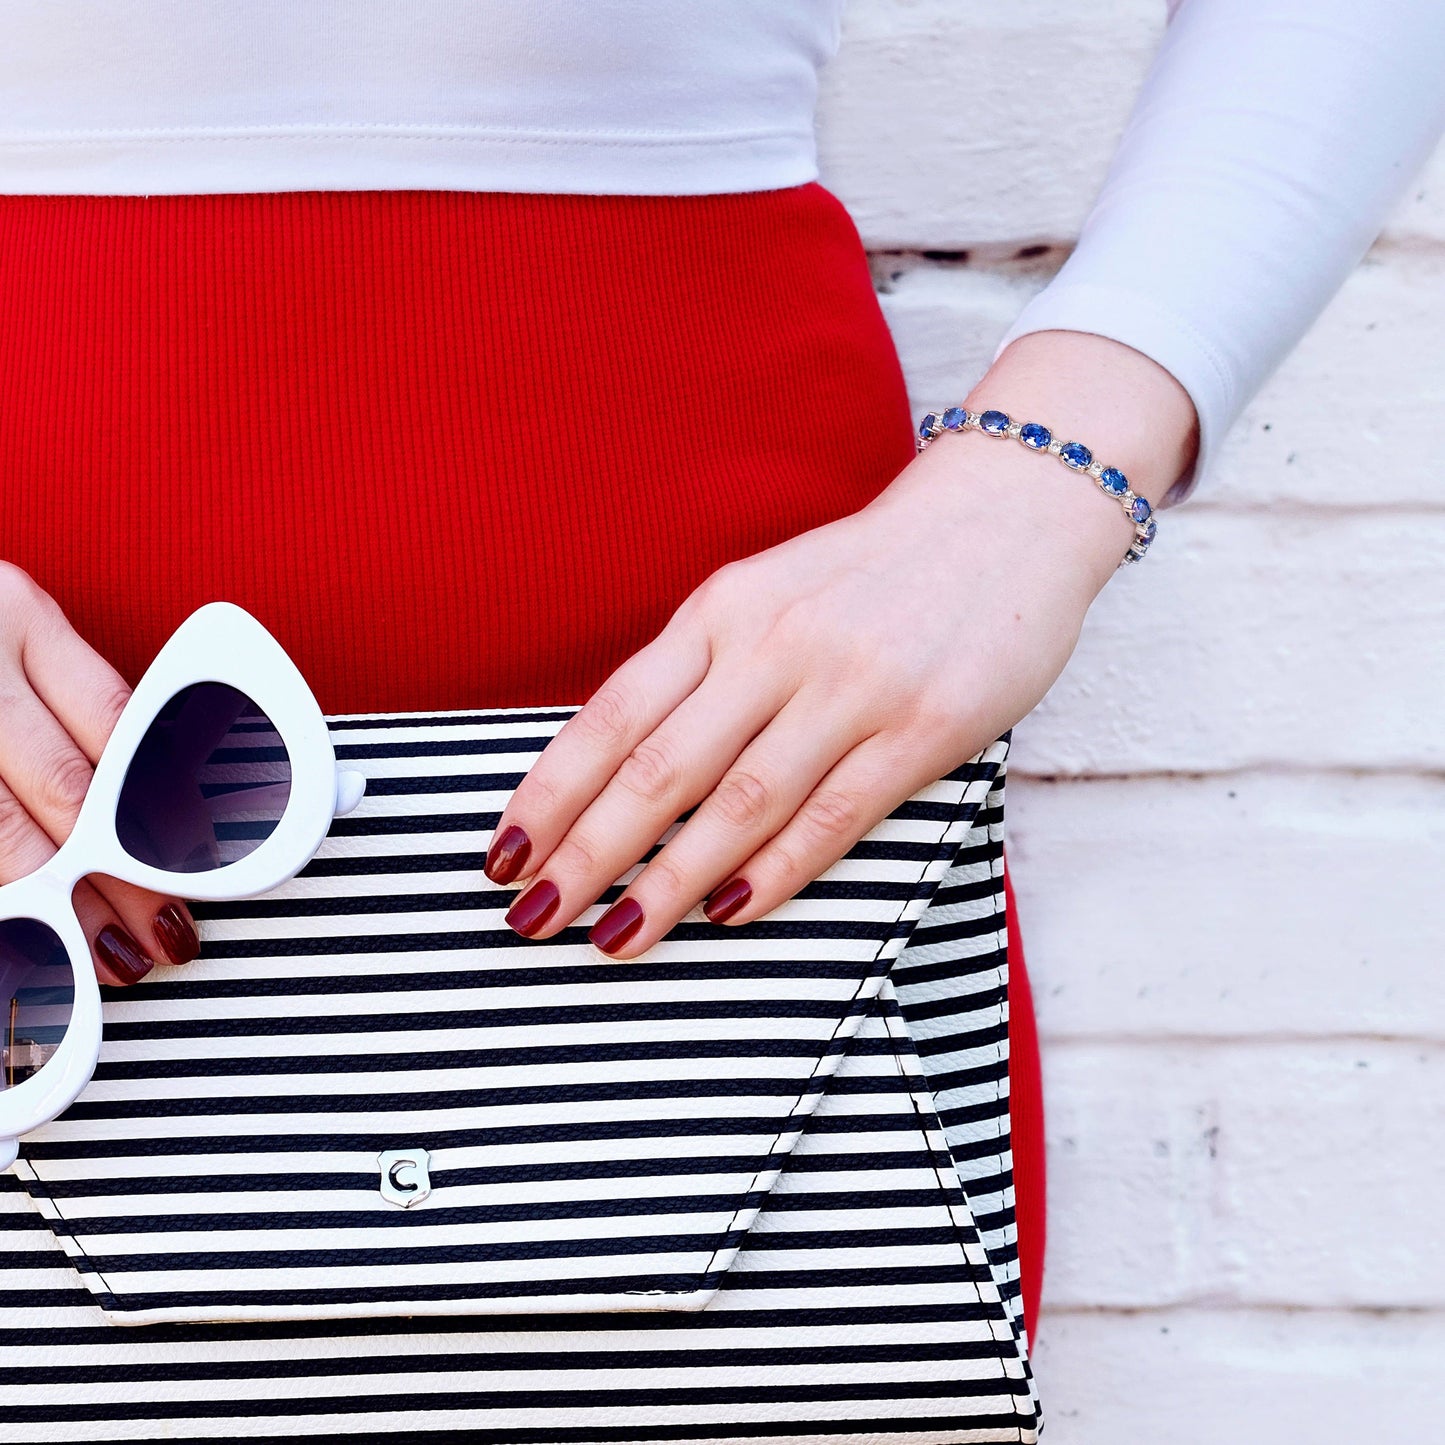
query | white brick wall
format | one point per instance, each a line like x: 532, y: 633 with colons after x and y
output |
x: 1244, y: 1052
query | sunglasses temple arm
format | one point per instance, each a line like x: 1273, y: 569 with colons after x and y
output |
x: 350, y: 785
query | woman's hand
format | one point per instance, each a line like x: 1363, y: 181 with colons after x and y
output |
x: 59, y: 702
x: 801, y: 694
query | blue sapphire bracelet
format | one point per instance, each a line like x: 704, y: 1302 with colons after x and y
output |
x: 1112, y: 482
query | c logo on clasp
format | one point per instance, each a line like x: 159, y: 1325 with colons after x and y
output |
x: 404, y: 1178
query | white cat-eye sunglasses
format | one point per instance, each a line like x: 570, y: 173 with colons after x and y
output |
x: 219, y: 781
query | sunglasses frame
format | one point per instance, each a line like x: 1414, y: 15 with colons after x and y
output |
x: 219, y: 642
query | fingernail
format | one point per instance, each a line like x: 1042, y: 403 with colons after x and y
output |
x: 507, y: 855
x: 177, y: 936
x: 122, y: 954
x: 617, y: 925
x: 534, y: 907
x: 725, y: 901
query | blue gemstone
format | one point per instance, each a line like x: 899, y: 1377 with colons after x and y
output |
x: 1076, y: 454
x: 1150, y: 529
x: 926, y: 426
x: 1034, y: 435
x: 1113, y: 480
x: 995, y: 423
x: 1139, y: 509
x: 954, y: 417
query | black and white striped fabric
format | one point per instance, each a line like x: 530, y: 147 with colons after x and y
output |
x: 707, y: 1194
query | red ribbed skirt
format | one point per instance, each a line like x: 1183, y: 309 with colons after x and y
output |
x: 454, y: 449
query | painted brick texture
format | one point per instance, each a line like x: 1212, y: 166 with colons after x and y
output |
x: 1227, y: 832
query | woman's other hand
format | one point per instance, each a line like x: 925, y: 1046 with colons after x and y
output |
x: 801, y: 694
x: 59, y: 702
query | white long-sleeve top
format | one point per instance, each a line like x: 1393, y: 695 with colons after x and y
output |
x: 1267, y: 145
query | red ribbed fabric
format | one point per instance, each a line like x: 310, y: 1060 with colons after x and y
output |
x: 1026, y: 1114
x: 454, y: 449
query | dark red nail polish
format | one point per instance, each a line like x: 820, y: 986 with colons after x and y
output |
x: 617, y: 925
x: 122, y: 954
x: 532, y: 910
x: 507, y: 855
x: 177, y: 936
x: 725, y: 901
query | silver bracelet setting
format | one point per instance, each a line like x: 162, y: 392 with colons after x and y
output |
x: 1075, y: 455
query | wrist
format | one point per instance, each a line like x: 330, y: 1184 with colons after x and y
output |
x: 1115, y: 402
x: 1131, y: 412
x: 1030, y: 502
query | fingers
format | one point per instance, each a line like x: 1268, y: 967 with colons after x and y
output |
x: 119, y: 959
x: 590, y: 747
x: 69, y: 677
x: 851, y: 799
x: 752, y: 765
x: 687, y: 756
x: 24, y: 846
x: 46, y: 780
x: 45, y: 775
x: 748, y: 871
x: 49, y: 776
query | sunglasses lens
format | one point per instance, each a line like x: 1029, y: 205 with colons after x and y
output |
x: 37, y: 992
x: 207, y: 785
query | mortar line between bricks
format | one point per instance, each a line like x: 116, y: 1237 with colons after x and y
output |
x: 1040, y: 251
x: 1244, y: 771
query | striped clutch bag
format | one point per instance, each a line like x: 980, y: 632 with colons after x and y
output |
x: 374, y: 1164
